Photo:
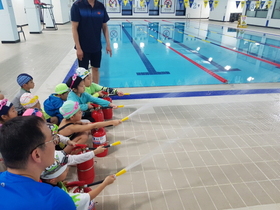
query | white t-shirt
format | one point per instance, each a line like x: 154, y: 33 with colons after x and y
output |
x: 80, y: 158
x: 82, y: 201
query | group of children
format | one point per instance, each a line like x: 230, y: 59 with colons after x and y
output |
x: 67, y: 112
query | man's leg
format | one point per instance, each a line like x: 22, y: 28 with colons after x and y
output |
x: 95, y: 75
x: 95, y: 60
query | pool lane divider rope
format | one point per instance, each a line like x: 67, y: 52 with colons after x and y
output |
x: 215, y: 32
x: 223, y: 80
x: 251, y: 56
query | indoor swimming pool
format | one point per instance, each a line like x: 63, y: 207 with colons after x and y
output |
x: 170, y: 53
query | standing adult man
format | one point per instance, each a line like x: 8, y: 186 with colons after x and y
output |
x: 88, y: 18
x: 27, y: 146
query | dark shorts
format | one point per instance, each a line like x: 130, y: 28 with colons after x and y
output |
x: 93, y: 59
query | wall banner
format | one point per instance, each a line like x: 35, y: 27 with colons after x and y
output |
x: 113, y: 6
x: 168, y: 6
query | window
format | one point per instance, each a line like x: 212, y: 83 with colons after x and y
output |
x: 276, y: 10
x: 253, y: 11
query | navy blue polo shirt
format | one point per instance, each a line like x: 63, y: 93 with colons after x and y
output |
x: 90, y: 21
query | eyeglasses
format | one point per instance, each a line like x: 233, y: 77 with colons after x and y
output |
x: 74, y: 77
x: 3, y: 103
x: 32, y: 100
x: 55, y: 140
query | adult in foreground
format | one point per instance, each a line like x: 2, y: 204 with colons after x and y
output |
x: 27, y: 146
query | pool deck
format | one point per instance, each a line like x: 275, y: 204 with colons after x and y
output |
x: 224, y: 153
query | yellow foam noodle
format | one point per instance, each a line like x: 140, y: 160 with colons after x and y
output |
x: 116, y: 143
x: 121, y: 172
x: 120, y: 106
x: 126, y: 94
x: 124, y: 119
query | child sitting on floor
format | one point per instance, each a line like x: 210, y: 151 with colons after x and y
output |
x: 93, y: 88
x: 72, y: 127
x: 55, y: 101
x: 7, y: 112
x: 27, y: 100
x: 25, y: 81
x: 57, y: 172
x: 77, y: 85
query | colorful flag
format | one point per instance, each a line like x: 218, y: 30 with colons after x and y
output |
x: 242, y: 4
x: 237, y: 3
x: 262, y: 3
x: 181, y: 2
x: 186, y: 3
x: 257, y: 4
x: 191, y: 3
x: 205, y: 3
x: 125, y: 2
x: 248, y: 2
x: 156, y: 2
x: 268, y: 4
x: 211, y: 3
x: 216, y: 3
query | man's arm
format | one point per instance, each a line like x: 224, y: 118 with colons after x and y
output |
x: 80, y: 53
x: 106, y: 34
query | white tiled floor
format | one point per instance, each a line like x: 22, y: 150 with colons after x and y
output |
x: 225, y: 153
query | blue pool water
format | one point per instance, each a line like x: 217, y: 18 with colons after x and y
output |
x: 169, y: 53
